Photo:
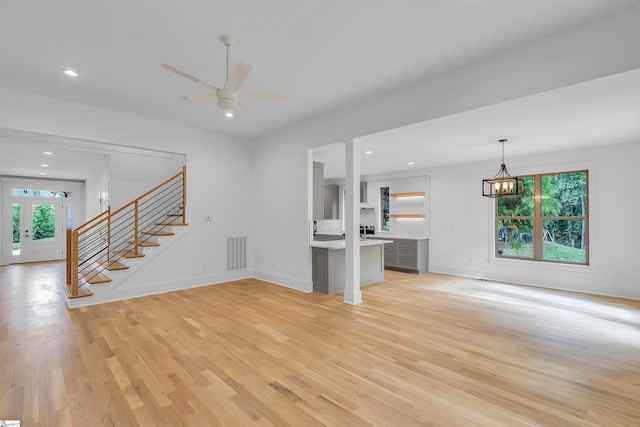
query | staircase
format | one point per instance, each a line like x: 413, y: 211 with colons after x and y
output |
x: 111, y: 240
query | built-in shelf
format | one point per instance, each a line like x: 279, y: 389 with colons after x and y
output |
x: 407, y: 215
x: 412, y: 194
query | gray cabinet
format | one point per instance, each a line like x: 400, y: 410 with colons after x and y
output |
x: 390, y: 254
x: 407, y: 255
x: 320, y: 270
x: 318, y: 191
x: 327, y: 237
x: 328, y: 273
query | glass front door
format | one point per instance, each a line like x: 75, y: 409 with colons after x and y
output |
x: 37, y: 230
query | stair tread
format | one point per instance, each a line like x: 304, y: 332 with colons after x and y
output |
x: 128, y: 253
x: 95, y: 279
x: 174, y: 214
x: 114, y: 265
x: 180, y: 224
x: 159, y: 233
x: 145, y: 243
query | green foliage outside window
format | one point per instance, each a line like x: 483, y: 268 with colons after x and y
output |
x: 16, y: 225
x: 384, y: 209
x: 550, y: 223
x: 44, y: 222
x: 43, y: 225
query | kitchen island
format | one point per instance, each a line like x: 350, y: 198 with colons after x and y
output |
x: 329, y: 264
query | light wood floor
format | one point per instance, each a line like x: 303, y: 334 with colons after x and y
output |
x: 429, y: 350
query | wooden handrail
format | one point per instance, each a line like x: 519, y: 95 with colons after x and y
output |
x: 183, y: 172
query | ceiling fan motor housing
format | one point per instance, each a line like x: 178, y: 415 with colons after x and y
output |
x: 227, y: 98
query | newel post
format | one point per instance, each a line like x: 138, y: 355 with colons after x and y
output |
x: 72, y: 261
x: 68, y: 260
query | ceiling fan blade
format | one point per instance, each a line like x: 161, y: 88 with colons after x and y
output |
x: 191, y: 77
x: 199, y: 96
x: 242, y: 107
x: 263, y: 95
x: 238, y: 75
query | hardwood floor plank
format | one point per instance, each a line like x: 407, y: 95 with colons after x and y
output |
x: 421, y: 350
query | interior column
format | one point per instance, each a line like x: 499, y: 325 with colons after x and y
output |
x: 352, y: 293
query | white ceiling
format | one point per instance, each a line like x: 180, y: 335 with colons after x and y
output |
x: 28, y: 159
x: 598, y: 112
x: 322, y: 54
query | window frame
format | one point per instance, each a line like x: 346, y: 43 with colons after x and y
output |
x: 538, y: 222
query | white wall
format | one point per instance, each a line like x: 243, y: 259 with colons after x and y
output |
x: 133, y: 174
x: 219, y: 182
x: 461, y: 219
x: 281, y: 175
x: 399, y: 183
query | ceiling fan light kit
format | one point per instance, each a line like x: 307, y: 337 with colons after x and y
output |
x: 503, y: 185
x: 227, y: 96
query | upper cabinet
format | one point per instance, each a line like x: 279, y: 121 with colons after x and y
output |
x: 332, y: 201
x: 318, y: 191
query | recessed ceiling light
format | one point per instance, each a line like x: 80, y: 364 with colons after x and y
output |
x: 368, y: 152
x: 44, y: 166
x: 42, y: 173
x: 69, y: 72
x: 410, y: 163
x: 48, y: 153
x: 229, y: 114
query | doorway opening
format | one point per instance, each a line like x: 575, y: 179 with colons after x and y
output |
x: 37, y: 226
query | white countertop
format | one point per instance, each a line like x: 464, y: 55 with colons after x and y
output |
x: 396, y: 236
x: 378, y: 235
x: 341, y: 244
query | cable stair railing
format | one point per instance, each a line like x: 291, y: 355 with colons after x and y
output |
x: 105, y: 242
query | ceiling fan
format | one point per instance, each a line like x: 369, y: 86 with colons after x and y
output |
x: 227, y: 95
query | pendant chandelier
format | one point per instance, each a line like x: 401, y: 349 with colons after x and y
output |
x: 503, y: 184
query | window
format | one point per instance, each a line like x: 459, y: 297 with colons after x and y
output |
x: 550, y: 223
x: 17, y: 192
x: 16, y: 228
x: 384, y: 209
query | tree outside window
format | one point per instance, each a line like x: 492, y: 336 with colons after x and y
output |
x: 384, y: 209
x: 44, y: 222
x: 550, y: 223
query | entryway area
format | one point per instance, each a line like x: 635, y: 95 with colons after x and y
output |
x: 37, y: 232
x: 35, y: 215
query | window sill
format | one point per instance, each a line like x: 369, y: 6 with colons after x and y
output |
x: 588, y: 269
